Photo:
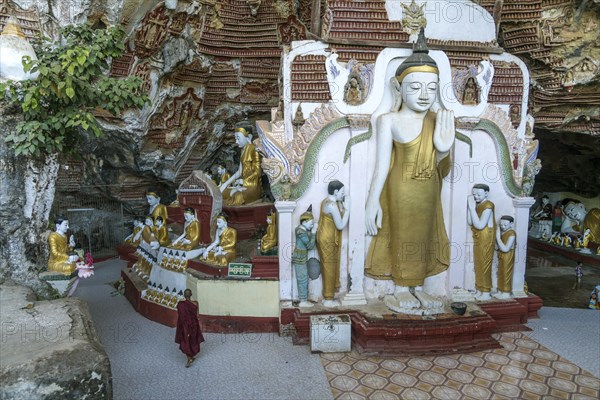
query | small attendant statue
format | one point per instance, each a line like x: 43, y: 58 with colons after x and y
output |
x: 136, y: 237
x: 505, y: 240
x: 160, y: 232
x: 222, y: 250
x: 190, y: 238
x: 60, y: 260
x: 480, y: 215
x: 305, y: 241
x: 223, y: 176
x: 247, y: 179
x: 156, y: 208
x: 269, y: 240
x: 148, y: 230
x: 335, y: 211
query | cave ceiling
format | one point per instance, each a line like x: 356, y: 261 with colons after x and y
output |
x: 209, y: 65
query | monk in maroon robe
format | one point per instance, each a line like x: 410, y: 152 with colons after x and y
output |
x: 188, y: 334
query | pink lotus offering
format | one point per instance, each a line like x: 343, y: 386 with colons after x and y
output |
x: 85, y: 269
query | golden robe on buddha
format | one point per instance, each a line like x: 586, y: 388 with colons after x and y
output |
x: 227, y: 241
x: 132, y: 240
x: 412, y: 243
x: 192, y: 233
x: 483, y: 250
x: 506, y: 263
x: 251, y: 175
x: 226, y: 193
x: 329, y: 240
x: 147, y: 234
x: 162, y: 235
x: 59, y: 254
x: 269, y: 240
x: 160, y: 211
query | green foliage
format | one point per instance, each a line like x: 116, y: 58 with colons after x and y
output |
x: 57, y: 106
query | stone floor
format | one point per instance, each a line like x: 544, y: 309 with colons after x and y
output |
x: 558, y: 359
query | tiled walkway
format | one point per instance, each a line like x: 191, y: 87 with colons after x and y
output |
x: 522, y: 369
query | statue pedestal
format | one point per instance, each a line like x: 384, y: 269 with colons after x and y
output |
x: 245, y: 219
x: 354, y: 299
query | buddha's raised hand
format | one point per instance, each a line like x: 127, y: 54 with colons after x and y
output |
x: 444, y: 133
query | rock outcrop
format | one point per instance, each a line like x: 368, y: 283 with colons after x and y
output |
x: 50, y: 349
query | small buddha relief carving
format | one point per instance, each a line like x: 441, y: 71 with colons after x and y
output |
x: 354, y: 92
x: 515, y: 114
x: 470, y: 96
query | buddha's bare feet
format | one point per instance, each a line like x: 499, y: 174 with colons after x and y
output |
x: 405, y: 298
x: 483, y: 296
x: 306, y: 304
x: 427, y: 300
x: 502, y: 295
x: 331, y: 303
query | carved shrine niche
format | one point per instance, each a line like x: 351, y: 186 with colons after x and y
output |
x: 515, y: 114
x: 291, y: 30
x: 178, y: 23
x: 259, y: 92
x: 152, y: 33
x: 464, y: 83
x: 309, y: 79
x: 169, y: 127
x: 142, y: 71
x: 259, y: 68
x: 121, y: 66
x: 194, y: 74
x: 29, y: 20
x: 507, y: 86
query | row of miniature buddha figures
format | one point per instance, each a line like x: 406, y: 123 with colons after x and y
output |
x: 162, y: 296
x: 219, y: 253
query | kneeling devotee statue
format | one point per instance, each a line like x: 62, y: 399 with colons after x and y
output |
x: 405, y: 210
x: 136, y: 237
x: 247, y: 186
x: 222, y: 251
x: 60, y: 260
x: 190, y: 238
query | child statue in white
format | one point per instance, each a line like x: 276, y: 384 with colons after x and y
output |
x: 404, y: 210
